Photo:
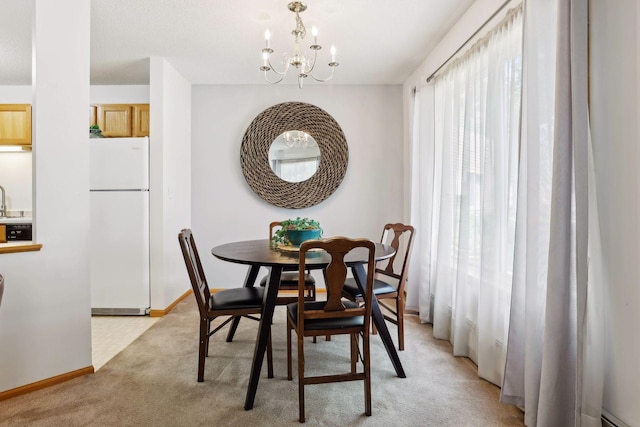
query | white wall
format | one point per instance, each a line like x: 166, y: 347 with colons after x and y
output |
x: 16, y: 95
x: 119, y: 94
x: 225, y: 209
x: 45, y: 318
x: 615, y: 117
x: 170, y: 180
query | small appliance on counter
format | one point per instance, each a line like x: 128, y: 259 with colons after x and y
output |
x: 14, y: 229
x: 15, y: 232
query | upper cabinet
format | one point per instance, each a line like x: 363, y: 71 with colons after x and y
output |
x: 115, y: 119
x: 15, y: 124
x: 121, y: 120
x: 140, y: 120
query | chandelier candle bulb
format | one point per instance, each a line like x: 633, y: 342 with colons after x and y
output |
x: 314, y: 31
x: 267, y: 36
x: 333, y: 54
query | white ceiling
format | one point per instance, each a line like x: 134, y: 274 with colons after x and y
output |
x: 219, y: 41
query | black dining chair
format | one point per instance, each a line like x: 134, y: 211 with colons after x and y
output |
x: 389, y: 281
x: 333, y: 317
x: 245, y: 302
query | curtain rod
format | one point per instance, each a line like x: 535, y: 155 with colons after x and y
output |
x: 467, y: 41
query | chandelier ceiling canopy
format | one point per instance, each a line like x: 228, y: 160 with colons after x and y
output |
x: 303, y: 64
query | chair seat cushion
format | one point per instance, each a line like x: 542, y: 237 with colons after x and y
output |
x: 324, y: 324
x: 289, y: 279
x: 379, y: 287
x: 237, y: 298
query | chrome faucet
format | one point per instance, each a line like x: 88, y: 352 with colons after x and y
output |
x: 3, y: 206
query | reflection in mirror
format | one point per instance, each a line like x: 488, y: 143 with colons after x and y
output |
x: 294, y: 156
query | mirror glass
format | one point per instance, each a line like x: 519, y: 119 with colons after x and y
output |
x: 294, y: 156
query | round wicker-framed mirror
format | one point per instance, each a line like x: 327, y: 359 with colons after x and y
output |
x: 294, y: 116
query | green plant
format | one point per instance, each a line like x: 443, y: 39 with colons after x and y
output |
x: 280, y: 235
x: 95, y: 132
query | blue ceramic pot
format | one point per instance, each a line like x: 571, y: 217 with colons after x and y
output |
x: 296, y: 237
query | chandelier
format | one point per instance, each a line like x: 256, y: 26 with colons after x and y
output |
x: 299, y: 139
x: 298, y: 59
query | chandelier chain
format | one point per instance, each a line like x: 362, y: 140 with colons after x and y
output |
x: 300, y: 31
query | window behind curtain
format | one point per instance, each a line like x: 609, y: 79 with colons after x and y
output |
x: 472, y: 218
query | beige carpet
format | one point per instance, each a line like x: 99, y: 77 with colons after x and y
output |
x: 153, y: 383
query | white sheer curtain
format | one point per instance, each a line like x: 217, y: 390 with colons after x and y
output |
x: 423, y: 171
x: 463, y: 195
x: 467, y: 199
x: 554, y: 359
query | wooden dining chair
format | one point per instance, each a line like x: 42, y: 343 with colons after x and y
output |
x: 289, y: 280
x: 333, y: 317
x: 389, y: 281
x: 245, y: 301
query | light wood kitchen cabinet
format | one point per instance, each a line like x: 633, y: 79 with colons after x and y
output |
x: 15, y: 124
x: 121, y: 120
x: 141, y: 120
x: 115, y: 119
x: 93, y: 119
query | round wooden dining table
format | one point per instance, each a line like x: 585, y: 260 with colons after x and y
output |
x: 262, y: 253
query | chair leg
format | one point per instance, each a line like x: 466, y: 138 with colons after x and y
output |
x: 206, y: 350
x: 202, y: 348
x: 374, y: 330
x: 400, y: 311
x: 289, y: 369
x: 301, y: 376
x: 367, y: 374
x: 354, y: 353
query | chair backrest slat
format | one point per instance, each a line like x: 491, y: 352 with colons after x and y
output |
x: 195, y: 270
x: 402, y: 241
x: 335, y: 275
x: 273, y: 225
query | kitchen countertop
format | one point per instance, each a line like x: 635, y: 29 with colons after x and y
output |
x: 21, y: 246
x: 15, y: 220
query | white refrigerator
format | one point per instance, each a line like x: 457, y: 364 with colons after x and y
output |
x: 119, y: 237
